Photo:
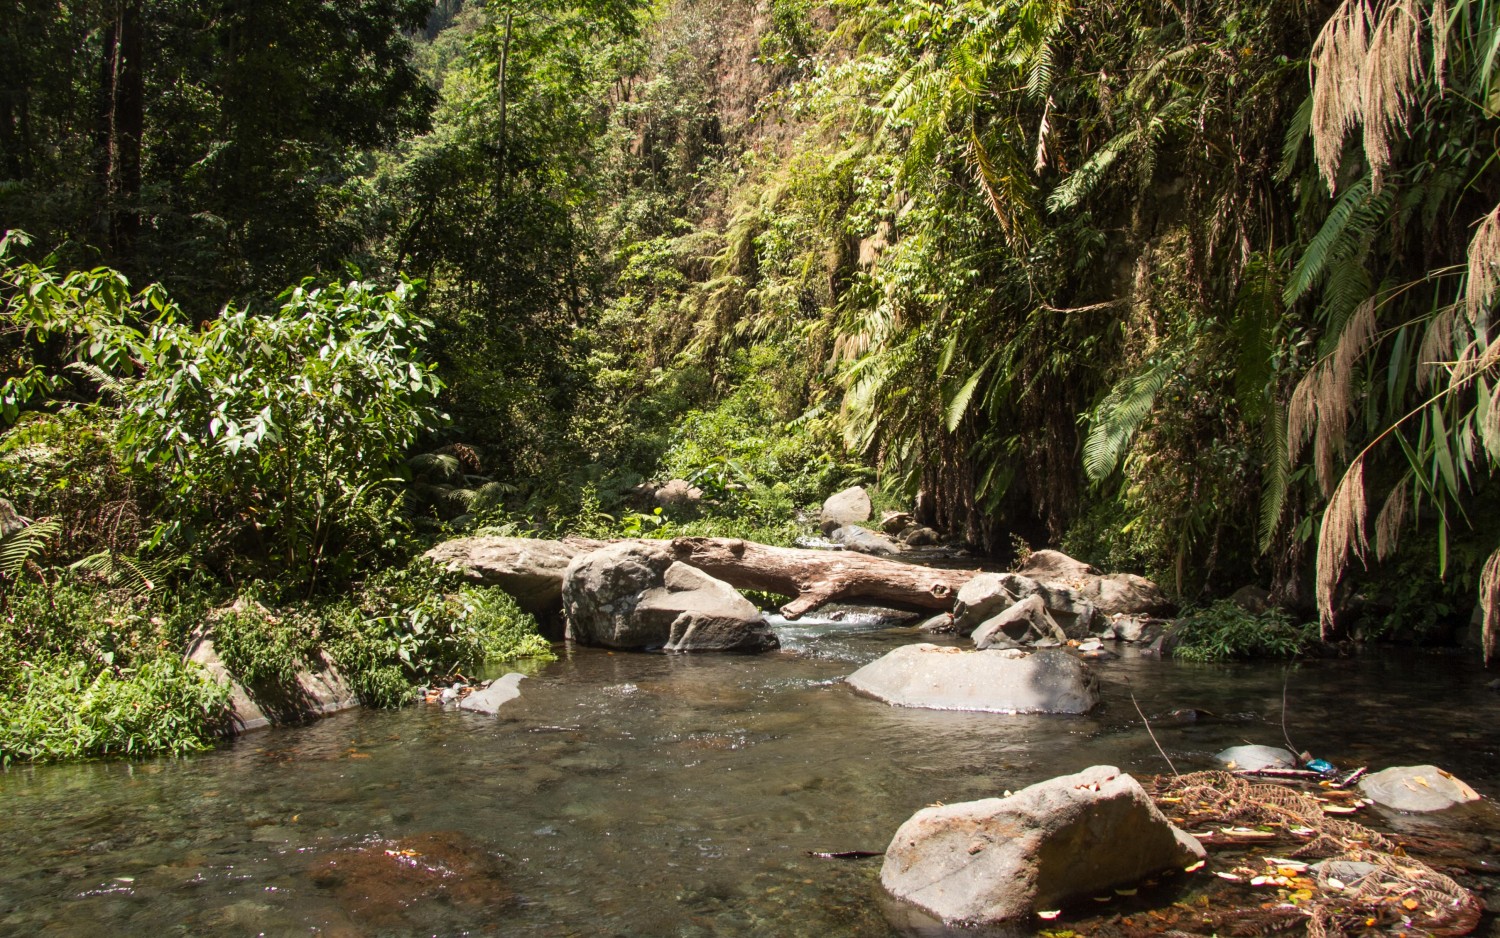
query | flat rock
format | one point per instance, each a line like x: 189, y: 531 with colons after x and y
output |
x: 1417, y: 788
x: 529, y: 569
x: 853, y: 537
x: 851, y: 506
x: 938, y: 678
x: 633, y: 595
x: 1003, y: 859
x: 1056, y: 566
x: 1255, y: 758
x: 500, y: 691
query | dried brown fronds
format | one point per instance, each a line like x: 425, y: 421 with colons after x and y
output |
x: 1436, y: 348
x: 1392, y: 66
x: 1392, y: 516
x: 1484, y: 258
x: 1437, y: 21
x: 1338, y: 59
x: 1342, y: 533
x: 1302, y: 412
x: 1489, y: 431
x: 1489, y: 604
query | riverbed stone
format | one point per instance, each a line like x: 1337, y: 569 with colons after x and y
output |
x: 1003, y: 859
x: 855, y: 538
x: 1054, y: 566
x: 994, y: 681
x: 921, y: 536
x: 851, y: 506
x: 894, y: 522
x: 1416, y: 788
x: 501, y: 691
x: 1110, y: 593
x: 1024, y: 623
x: 529, y: 569
x: 988, y: 594
x: 318, y: 689
x: 1256, y: 758
x: 633, y: 595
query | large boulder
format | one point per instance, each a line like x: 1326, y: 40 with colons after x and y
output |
x: 1417, y: 788
x: 1111, y: 594
x: 1025, y: 623
x: 317, y: 690
x: 988, y: 594
x: 1003, y: 859
x: 528, y: 569
x: 851, y: 506
x: 855, y: 538
x: 678, y: 495
x: 994, y: 681
x: 634, y: 595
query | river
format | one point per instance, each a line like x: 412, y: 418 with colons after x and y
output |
x: 640, y: 794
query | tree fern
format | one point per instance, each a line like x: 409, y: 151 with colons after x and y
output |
x: 1116, y: 419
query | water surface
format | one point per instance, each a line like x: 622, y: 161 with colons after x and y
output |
x: 634, y: 794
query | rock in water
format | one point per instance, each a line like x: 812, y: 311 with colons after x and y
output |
x: 938, y: 678
x: 1111, y: 594
x: 853, y: 537
x: 1416, y: 788
x: 1025, y: 623
x: 1255, y: 758
x: 987, y: 594
x: 851, y: 506
x: 1002, y: 859
x: 501, y: 691
x: 634, y: 595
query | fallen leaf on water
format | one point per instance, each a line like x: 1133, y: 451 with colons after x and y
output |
x: 1336, y: 883
x: 1125, y: 892
x: 1409, y: 904
x: 1228, y: 876
x: 1049, y: 916
x: 1194, y: 868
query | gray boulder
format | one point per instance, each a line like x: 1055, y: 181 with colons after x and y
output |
x: 1417, y: 788
x: 921, y: 536
x: 988, y: 594
x: 894, y: 522
x: 1111, y: 594
x: 855, y: 538
x: 528, y: 569
x: 1025, y: 623
x: 993, y: 681
x: 1054, y: 566
x: 317, y: 690
x: 1253, y: 599
x: 634, y: 595
x: 1255, y: 758
x: 678, y: 495
x: 1141, y: 630
x: 500, y: 691
x: 851, y: 506
x: 1003, y: 859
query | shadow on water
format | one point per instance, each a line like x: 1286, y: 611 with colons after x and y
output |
x: 648, y: 794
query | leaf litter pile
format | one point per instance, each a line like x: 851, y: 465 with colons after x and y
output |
x: 1366, y: 884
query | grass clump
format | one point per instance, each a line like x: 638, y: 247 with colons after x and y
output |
x: 1227, y: 631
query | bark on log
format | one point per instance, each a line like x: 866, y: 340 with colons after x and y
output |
x: 532, y: 570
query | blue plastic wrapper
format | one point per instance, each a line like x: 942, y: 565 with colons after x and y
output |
x: 1321, y: 765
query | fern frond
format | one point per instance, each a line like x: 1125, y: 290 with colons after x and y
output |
x: 1116, y: 420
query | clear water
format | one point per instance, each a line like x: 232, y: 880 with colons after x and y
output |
x: 630, y: 794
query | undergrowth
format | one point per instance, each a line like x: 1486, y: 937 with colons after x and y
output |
x: 1226, y: 630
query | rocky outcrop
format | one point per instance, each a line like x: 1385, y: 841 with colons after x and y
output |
x: 988, y: 594
x: 1003, y: 859
x: 1416, y: 788
x: 635, y: 595
x: 500, y: 691
x: 317, y: 690
x: 1024, y: 623
x: 938, y: 678
x: 1111, y: 594
x: 853, y: 537
x: 851, y: 506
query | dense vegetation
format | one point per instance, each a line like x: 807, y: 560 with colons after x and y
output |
x: 1200, y: 290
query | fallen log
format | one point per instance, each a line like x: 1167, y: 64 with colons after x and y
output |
x: 532, y: 571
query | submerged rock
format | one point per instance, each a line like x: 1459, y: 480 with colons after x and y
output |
x: 993, y: 681
x: 851, y: 506
x: 500, y: 691
x: 1002, y: 859
x: 634, y: 595
x: 1417, y: 788
x: 1255, y: 758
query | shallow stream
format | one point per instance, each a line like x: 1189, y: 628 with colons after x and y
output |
x: 638, y: 794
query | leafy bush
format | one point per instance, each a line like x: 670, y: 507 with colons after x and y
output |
x: 1226, y: 630
x: 87, y: 673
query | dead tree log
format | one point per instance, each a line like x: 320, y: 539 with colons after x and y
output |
x: 532, y: 570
